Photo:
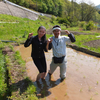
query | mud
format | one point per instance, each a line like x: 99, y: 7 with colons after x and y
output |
x: 94, y: 43
x: 82, y: 81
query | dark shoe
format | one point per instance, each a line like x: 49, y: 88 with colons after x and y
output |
x: 62, y: 79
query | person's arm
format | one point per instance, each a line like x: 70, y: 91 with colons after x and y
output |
x: 28, y: 41
x: 71, y: 36
x: 49, y: 44
x: 44, y: 46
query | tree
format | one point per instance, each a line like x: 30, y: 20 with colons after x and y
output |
x: 87, y: 12
x: 60, y: 9
x: 44, y: 7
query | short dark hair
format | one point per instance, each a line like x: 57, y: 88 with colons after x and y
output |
x: 56, y: 26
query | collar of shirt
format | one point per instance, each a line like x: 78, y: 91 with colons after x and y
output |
x: 57, y: 38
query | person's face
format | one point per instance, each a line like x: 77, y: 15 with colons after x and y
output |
x: 41, y: 32
x: 56, y: 32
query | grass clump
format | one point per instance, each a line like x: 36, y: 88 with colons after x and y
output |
x: 18, y: 58
x: 3, y: 84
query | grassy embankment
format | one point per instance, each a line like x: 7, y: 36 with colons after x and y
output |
x: 82, y: 39
x: 17, y: 29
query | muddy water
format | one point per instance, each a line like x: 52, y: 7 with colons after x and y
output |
x: 82, y: 81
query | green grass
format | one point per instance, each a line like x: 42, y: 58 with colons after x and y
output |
x: 18, y: 58
x: 81, y: 39
x: 19, y: 31
x: 3, y: 85
x: 28, y: 94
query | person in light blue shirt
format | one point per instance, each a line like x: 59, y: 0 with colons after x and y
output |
x: 58, y: 45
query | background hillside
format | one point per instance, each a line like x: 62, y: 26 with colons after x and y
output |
x: 98, y: 6
x: 71, y: 11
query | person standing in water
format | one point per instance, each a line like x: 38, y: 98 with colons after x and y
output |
x: 38, y: 47
x: 58, y: 45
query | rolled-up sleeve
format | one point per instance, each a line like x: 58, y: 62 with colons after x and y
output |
x: 72, y: 37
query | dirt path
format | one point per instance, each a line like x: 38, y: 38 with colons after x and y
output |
x: 82, y: 81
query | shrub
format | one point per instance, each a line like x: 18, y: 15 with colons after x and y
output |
x: 82, y: 24
x: 90, y: 25
x: 63, y: 21
x: 53, y: 18
x: 73, y: 24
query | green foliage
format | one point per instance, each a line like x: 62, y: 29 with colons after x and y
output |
x: 60, y: 10
x: 90, y: 25
x: 63, y: 8
x: 11, y: 47
x: 20, y: 78
x: 81, y: 39
x: 50, y: 5
x: 17, y: 31
x: 2, y: 45
x: 29, y: 93
x: 44, y: 8
x: 82, y: 24
x: 63, y: 21
x: 31, y: 89
x: 74, y: 24
x: 3, y: 85
x: 97, y: 17
x: 53, y: 18
x: 18, y: 58
x: 87, y: 26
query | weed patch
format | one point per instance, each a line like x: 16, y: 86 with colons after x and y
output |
x: 19, y: 85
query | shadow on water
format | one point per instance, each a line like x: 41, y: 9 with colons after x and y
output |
x: 43, y: 86
x: 20, y: 86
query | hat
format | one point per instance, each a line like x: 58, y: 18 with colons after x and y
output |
x: 56, y: 28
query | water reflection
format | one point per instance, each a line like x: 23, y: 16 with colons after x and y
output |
x: 44, y: 85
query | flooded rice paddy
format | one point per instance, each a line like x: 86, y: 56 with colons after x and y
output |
x: 82, y: 78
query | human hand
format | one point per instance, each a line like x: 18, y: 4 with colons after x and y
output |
x: 67, y: 32
x: 30, y: 35
x: 49, y: 40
